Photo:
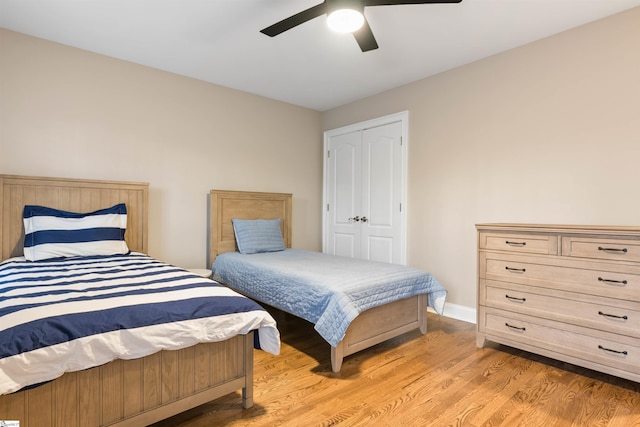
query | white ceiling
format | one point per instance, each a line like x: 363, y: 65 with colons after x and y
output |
x: 219, y: 40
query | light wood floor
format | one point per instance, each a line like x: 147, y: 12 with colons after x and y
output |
x: 437, y: 379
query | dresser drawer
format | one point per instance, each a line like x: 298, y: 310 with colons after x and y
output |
x: 516, y: 242
x: 601, y: 248
x: 595, y: 278
x: 621, y: 317
x: 594, y: 346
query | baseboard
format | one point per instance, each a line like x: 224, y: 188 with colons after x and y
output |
x: 459, y: 312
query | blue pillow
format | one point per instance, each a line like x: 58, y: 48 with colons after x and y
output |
x: 258, y: 235
x: 52, y: 233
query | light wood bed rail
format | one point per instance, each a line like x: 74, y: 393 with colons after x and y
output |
x: 371, y: 327
x: 123, y: 392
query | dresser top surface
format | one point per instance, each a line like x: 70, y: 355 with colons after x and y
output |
x: 560, y: 228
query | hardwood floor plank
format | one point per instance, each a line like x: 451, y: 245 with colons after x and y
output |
x: 437, y: 379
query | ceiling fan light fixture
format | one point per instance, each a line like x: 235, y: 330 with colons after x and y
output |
x: 345, y: 20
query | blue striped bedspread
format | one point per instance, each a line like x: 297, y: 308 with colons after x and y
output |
x: 328, y: 291
x: 71, y: 314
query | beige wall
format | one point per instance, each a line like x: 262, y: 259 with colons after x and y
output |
x: 65, y: 112
x: 546, y: 133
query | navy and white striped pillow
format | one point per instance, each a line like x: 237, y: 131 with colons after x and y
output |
x: 53, y: 233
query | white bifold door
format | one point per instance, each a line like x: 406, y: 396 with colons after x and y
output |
x: 364, y: 192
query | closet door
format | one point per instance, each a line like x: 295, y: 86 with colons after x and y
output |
x: 343, y: 183
x: 364, y: 190
x: 381, y: 193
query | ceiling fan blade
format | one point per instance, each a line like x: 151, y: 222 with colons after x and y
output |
x: 364, y: 37
x: 396, y: 2
x: 295, y: 20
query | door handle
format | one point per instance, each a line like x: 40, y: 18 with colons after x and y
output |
x: 358, y: 219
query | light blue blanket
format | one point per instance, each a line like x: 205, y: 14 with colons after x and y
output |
x: 328, y: 291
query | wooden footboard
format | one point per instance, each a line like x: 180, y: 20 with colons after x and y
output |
x: 138, y: 392
x: 379, y: 324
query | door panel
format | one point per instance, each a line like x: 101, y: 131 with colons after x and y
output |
x: 381, y: 192
x: 380, y: 249
x: 377, y: 191
x: 345, y: 245
x: 344, y: 182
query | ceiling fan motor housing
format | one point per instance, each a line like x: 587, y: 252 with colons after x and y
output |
x: 333, y: 5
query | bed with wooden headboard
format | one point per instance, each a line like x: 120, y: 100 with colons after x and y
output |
x: 123, y: 392
x: 370, y: 327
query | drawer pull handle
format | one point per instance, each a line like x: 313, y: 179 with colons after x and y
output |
x: 616, y: 282
x: 623, y: 250
x: 612, y: 315
x: 509, y: 242
x: 515, y: 298
x: 516, y: 270
x: 612, y: 350
x: 515, y: 327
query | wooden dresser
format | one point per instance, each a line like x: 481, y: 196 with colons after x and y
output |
x: 567, y: 292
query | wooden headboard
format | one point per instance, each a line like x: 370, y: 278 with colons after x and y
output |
x: 73, y: 195
x: 226, y: 205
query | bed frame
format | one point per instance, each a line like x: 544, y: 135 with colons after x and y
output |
x: 123, y: 392
x: 371, y: 327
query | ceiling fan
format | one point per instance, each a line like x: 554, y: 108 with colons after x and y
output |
x: 339, y: 11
